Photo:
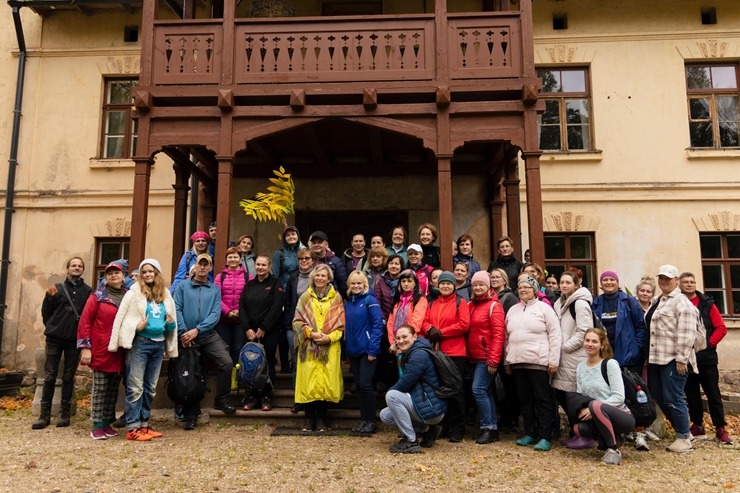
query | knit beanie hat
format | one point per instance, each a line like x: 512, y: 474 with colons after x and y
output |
x: 446, y: 276
x: 608, y: 273
x: 531, y: 282
x: 481, y: 276
x: 151, y: 261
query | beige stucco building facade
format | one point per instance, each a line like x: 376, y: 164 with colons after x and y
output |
x: 640, y: 191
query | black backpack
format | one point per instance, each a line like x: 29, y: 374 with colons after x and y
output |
x: 186, y: 380
x: 644, y: 413
x: 596, y: 320
x: 450, y: 380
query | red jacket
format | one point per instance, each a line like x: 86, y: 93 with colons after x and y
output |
x: 94, y: 330
x: 452, y: 320
x: 487, y: 330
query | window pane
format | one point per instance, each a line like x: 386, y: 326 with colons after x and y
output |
x: 727, y: 108
x: 580, y: 247
x: 550, y: 80
x: 711, y: 246
x: 574, y: 80
x: 109, y: 252
x: 698, y: 77
x: 113, y: 148
x: 735, y: 303
x: 699, y: 108
x: 724, y: 77
x: 578, y: 137
x: 555, y: 269
x: 713, y: 277
x: 733, y: 247
x: 735, y: 276
x: 550, y: 138
x: 126, y: 249
x: 552, y: 112
x: 701, y: 134
x: 719, y: 299
x: 119, y: 92
x: 728, y: 136
x: 115, y: 122
x: 588, y: 274
x: 576, y: 110
x: 554, y: 247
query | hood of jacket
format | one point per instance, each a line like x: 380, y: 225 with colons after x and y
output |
x: 581, y: 293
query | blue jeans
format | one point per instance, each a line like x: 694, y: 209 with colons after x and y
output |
x: 485, y: 399
x: 401, y: 413
x: 667, y: 387
x: 143, y: 363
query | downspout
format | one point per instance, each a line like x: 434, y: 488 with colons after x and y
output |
x: 12, y: 163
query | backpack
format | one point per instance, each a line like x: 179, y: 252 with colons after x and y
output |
x: 451, y: 382
x: 596, y: 320
x: 644, y: 414
x: 252, y: 369
x: 186, y: 380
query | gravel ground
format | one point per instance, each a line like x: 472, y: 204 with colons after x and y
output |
x: 245, y: 458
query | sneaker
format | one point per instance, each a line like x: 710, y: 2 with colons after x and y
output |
x: 405, y: 446
x: 680, y: 445
x: 179, y: 416
x: 191, y: 423
x: 429, y: 437
x: 109, y: 432
x: 630, y: 437
x: 543, y: 445
x: 224, y: 407
x: 525, y: 441
x: 149, y: 431
x: 250, y: 403
x: 98, y: 434
x: 698, y: 433
x: 120, y: 422
x: 651, y: 435
x: 137, y: 436
x: 358, y: 428
x: 369, y: 428
x: 320, y: 425
x: 612, y: 457
x: 641, y: 443
x: 266, y: 404
x: 723, y: 436
x: 309, y: 425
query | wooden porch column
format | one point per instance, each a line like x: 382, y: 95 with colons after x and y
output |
x: 223, y: 208
x: 444, y: 188
x: 140, y: 209
x: 181, y: 186
x: 513, y: 214
x: 534, y: 206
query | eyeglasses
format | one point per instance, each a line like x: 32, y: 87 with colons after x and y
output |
x: 304, y: 258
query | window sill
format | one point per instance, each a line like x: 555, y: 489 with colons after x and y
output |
x: 96, y: 163
x: 712, y: 153
x: 583, y: 157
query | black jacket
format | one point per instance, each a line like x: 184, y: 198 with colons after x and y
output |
x: 261, y: 305
x: 58, y: 315
x: 706, y: 356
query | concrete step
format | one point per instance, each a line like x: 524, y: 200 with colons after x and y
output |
x: 281, y: 416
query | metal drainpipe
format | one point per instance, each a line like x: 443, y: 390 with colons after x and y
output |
x: 13, y: 162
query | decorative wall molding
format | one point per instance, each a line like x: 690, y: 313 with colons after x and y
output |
x: 563, y: 53
x: 117, y: 226
x: 709, y: 48
x: 721, y: 221
x: 571, y: 221
x: 120, y: 64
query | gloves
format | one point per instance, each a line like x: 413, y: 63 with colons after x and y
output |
x: 434, y: 335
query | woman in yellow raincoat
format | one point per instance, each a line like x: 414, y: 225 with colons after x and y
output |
x: 319, y: 327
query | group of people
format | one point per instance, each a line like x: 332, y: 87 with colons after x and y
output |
x: 386, y: 310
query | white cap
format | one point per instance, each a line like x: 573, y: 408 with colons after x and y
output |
x: 670, y: 271
x: 414, y: 247
x: 151, y: 261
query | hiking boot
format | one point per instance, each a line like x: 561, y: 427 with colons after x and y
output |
x: 320, y: 425
x: 641, y: 442
x: 525, y: 441
x: 191, y: 423
x: 98, y: 434
x: 44, y: 418
x: 543, y: 445
x: 369, y: 428
x: 698, y: 432
x: 309, y: 425
x: 680, y: 445
x: 405, y: 446
x: 429, y: 437
x: 358, y: 428
x: 224, y: 407
x: 63, y: 420
x: 456, y: 436
x: 250, y: 403
x: 266, y: 404
x: 487, y: 436
x: 612, y: 457
x: 149, y: 431
x: 109, y: 432
x: 723, y: 436
x: 136, y: 435
x: 120, y: 422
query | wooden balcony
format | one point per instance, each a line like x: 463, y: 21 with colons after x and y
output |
x: 312, y: 50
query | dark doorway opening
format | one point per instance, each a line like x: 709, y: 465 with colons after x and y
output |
x: 341, y: 226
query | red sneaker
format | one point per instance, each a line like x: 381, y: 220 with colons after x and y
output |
x: 136, y: 435
x: 149, y: 431
x: 723, y: 436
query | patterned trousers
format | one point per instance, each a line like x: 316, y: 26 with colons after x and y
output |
x: 104, y: 394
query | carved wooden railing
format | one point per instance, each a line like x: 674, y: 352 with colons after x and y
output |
x: 385, y: 48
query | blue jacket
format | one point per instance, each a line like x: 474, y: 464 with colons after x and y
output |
x: 198, y: 306
x: 629, y: 340
x: 473, y: 265
x: 285, y: 261
x: 187, y: 261
x: 419, y: 379
x: 364, y: 325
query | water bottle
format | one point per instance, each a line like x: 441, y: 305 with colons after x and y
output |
x: 641, y: 396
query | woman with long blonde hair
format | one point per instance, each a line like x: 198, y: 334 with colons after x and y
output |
x: 145, y: 325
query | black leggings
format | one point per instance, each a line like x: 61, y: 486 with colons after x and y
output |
x: 607, y: 423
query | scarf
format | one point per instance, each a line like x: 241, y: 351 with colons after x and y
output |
x: 392, y: 283
x: 402, y: 314
x: 312, y: 309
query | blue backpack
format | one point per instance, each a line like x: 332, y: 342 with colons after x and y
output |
x: 251, y: 373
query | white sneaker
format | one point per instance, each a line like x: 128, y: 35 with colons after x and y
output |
x: 612, y: 457
x: 651, y: 435
x: 641, y: 443
x: 680, y: 445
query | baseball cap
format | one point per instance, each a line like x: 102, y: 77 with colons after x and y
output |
x: 318, y: 234
x: 203, y: 256
x: 668, y: 270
